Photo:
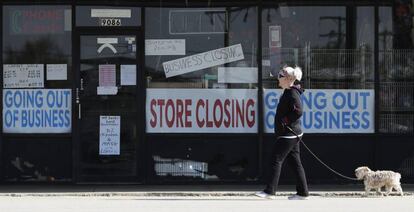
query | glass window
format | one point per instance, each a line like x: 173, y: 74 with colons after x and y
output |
x: 37, y: 69
x: 316, y: 39
x: 37, y: 82
x: 396, y: 67
x: 108, y: 16
x: 212, y: 54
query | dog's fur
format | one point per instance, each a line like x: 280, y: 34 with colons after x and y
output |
x: 376, y: 180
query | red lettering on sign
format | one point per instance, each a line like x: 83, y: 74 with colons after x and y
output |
x: 170, y: 104
x: 250, y: 107
x: 153, y: 121
x: 218, y: 104
x: 199, y: 104
x: 188, y: 103
x: 161, y: 104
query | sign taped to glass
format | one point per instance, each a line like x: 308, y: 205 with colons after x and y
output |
x: 203, y: 60
x: 37, y: 110
x: 37, y: 21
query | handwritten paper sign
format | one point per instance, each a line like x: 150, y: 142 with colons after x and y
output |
x: 203, y: 60
x: 109, y: 135
x: 56, y: 72
x: 23, y: 76
x: 165, y: 47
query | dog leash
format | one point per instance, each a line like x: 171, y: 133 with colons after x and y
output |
x: 317, y: 158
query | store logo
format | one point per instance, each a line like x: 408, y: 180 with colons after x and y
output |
x: 107, y: 43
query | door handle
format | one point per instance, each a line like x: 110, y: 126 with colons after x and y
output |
x: 79, y: 104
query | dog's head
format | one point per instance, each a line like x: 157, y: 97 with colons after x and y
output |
x: 360, y: 172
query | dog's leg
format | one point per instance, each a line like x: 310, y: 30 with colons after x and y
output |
x: 367, y: 190
x: 388, y: 190
x: 379, y: 191
x: 399, y: 189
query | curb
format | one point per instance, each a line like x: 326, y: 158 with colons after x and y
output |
x: 183, y: 194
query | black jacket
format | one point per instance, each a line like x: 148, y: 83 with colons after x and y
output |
x: 288, y: 112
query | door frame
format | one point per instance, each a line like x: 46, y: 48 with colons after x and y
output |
x: 140, y: 102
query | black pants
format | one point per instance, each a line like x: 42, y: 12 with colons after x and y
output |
x: 286, y: 148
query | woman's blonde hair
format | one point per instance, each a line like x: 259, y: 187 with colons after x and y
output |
x: 295, y: 73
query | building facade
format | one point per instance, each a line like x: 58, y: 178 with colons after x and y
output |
x: 185, y: 91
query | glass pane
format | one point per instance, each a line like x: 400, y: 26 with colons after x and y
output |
x: 103, y: 59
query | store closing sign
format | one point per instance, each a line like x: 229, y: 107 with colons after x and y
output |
x: 328, y: 111
x: 203, y: 60
x: 201, y: 111
x: 37, y: 111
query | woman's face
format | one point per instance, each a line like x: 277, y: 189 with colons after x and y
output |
x: 283, y: 79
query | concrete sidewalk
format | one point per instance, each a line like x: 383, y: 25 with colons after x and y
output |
x: 178, y: 190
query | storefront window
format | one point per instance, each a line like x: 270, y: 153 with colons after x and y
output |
x: 37, y: 95
x: 201, y: 70
x: 338, y: 79
x: 396, y: 56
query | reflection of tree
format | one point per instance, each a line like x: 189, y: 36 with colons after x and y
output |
x: 334, y: 34
x: 42, y: 50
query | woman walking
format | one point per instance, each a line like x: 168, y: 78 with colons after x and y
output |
x: 287, y: 129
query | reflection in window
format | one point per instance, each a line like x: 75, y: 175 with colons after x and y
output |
x: 315, y: 38
x: 199, y: 45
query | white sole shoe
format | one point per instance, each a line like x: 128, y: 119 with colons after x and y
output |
x: 297, y: 197
x: 265, y: 195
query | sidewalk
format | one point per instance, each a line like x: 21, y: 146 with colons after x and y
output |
x: 178, y: 190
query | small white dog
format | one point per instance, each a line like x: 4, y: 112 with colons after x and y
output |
x: 378, y: 179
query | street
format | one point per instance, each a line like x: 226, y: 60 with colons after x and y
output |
x: 200, y: 204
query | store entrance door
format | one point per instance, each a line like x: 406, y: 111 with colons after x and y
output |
x: 107, y: 102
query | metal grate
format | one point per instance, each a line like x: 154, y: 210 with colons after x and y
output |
x: 396, y: 96
x: 179, y: 167
x: 396, y: 65
x: 396, y: 123
x: 346, y: 65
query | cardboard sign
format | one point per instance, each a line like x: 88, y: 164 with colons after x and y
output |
x: 109, y: 135
x: 23, y: 76
x: 203, y: 60
x: 37, y: 110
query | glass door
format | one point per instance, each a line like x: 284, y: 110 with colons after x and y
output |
x: 107, y: 105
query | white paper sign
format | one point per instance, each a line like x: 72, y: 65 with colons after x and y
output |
x: 203, y: 60
x: 109, y: 135
x: 237, y: 75
x: 165, y: 47
x: 201, y: 111
x: 56, y: 72
x: 110, y: 13
x: 107, y: 90
x: 275, y: 36
x: 128, y: 74
x: 37, y: 110
x: 23, y: 76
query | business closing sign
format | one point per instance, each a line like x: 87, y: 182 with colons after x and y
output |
x: 328, y: 111
x: 201, y: 111
x: 37, y: 111
x: 203, y: 60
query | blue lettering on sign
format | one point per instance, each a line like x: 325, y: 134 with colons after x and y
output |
x: 36, y: 109
x: 325, y: 110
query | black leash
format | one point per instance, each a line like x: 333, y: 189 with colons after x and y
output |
x: 316, y: 157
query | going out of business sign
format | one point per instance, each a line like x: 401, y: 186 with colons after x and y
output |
x: 37, y: 111
x: 328, y: 110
